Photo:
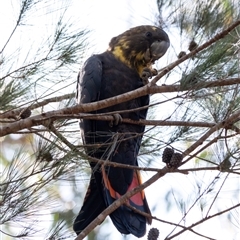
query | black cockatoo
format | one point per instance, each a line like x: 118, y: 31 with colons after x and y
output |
x: 120, y: 69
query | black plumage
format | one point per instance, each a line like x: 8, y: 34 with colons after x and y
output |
x: 105, y: 75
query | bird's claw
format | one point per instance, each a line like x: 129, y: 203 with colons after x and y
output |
x: 148, y: 73
x: 117, y: 119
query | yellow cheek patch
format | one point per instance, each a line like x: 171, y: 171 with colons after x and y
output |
x: 140, y: 56
x: 134, y: 60
x: 118, y: 53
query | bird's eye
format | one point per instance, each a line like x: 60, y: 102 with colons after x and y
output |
x: 148, y: 34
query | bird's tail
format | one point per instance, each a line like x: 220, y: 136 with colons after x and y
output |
x: 125, y: 219
x: 93, y: 205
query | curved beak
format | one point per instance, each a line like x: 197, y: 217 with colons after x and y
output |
x: 158, y: 49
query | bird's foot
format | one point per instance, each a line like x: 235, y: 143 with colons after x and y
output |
x: 117, y: 119
x: 148, y: 73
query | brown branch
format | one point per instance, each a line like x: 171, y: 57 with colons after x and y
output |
x: 224, y: 124
x: 200, y: 85
x: 121, y: 165
x: 140, y: 122
x: 201, y: 149
x: 203, y: 220
x: 182, y: 171
x: 107, y: 117
x: 60, y: 136
x: 153, y: 89
x: 164, y: 221
x: 14, y: 113
x: 194, y: 52
x: 170, y: 123
x: 83, y: 108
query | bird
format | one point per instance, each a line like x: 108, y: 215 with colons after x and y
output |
x: 123, y: 67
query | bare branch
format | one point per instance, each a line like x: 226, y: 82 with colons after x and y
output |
x: 167, y: 222
x: 194, y: 52
x: 227, y: 122
x: 203, y: 220
x: 15, y: 113
x: 83, y: 108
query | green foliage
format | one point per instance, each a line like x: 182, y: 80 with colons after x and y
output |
x: 11, y: 94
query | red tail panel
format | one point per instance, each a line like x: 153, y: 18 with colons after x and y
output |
x: 137, y: 199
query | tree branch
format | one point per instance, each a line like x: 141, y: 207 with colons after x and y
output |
x: 167, y: 222
x: 194, y: 52
x: 203, y: 220
x: 15, y: 113
x: 83, y: 108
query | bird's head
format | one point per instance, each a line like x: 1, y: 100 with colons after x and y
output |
x: 140, y: 47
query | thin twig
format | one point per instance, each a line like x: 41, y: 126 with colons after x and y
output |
x: 227, y: 122
x: 203, y: 220
x: 16, y: 112
x: 194, y: 52
x: 164, y: 221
